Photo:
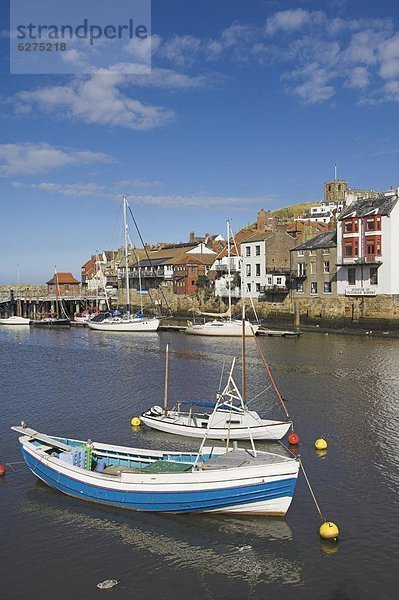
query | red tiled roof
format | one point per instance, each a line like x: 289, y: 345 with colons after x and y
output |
x: 62, y: 279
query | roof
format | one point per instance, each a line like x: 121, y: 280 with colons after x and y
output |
x: 324, y: 240
x: 382, y: 205
x: 62, y: 279
x: 258, y: 237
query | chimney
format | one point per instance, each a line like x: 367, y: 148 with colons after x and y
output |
x: 191, y: 238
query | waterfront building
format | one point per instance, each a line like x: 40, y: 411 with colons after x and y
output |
x: 368, y: 246
x: 266, y: 263
x: 313, y: 267
x: 63, y: 284
x: 178, y: 264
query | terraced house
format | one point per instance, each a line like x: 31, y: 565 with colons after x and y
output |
x: 313, y: 267
x: 368, y: 247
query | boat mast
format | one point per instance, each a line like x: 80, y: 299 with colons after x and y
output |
x: 57, y: 291
x: 244, y: 364
x: 125, y: 226
x: 228, y: 267
x: 165, y: 401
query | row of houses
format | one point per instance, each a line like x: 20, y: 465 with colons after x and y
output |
x: 352, y: 255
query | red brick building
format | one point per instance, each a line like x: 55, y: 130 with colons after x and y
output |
x: 63, y: 284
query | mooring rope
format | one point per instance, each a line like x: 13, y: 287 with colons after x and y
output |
x: 279, y: 396
x: 312, y: 493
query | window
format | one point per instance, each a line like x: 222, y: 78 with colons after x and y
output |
x: 351, y: 276
x: 192, y: 282
x: 279, y: 280
x: 373, y: 276
x: 247, y: 250
x: 348, y: 249
x: 299, y: 287
x: 326, y: 250
x: 313, y: 268
x: 370, y: 224
x: 370, y: 247
x: 351, y: 226
x: 257, y: 270
x: 257, y: 250
x: 327, y: 287
x: 312, y: 252
x: 257, y: 287
x: 301, y: 269
x: 313, y: 287
x: 326, y: 266
x: 269, y: 281
x: 248, y: 287
x: 300, y: 253
x: 248, y: 270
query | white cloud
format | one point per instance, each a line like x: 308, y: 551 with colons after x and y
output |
x: 316, y: 87
x: 31, y: 159
x: 292, y: 19
x: 97, y: 100
x: 358, y: 78
x: 197, y: 201
x: 140, y: 184
x: 181, y: 50
x: 66, y: 189
x: 389, y: 57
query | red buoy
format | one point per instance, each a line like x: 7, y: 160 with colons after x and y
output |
x: 2, y: 470
x: 293, y: 439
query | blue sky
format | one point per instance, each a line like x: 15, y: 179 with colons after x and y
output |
x: 248, y: 106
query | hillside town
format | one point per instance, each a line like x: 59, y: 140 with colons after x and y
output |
x: 336, y: 260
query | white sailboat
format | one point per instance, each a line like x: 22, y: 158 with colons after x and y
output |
x: 223, y: 325
x: 230, y: 418
x: 127, y: 322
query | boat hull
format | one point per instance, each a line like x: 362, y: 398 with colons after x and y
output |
x: 120, y: 325
x: 272, y: 431
x: 52, y: 323
x: 222, y: 329
x: 15, y: 321
x: 258, y: 489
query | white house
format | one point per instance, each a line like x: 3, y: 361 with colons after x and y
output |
x: 368, y: 247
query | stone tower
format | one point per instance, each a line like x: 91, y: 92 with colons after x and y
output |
x: 334, y: 190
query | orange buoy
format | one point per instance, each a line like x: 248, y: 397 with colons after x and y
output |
x: 293, y: 438
x: 2, y: 470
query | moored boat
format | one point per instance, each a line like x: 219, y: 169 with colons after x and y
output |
x: 52, y: 322
x: 15, y: 321
x: 238, y: 481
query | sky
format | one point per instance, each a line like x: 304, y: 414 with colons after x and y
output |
x: 248, y: 105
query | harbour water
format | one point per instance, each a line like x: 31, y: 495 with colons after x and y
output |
x: 89, y: 384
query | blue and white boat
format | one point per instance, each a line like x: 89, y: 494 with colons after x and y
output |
x: 236, y: 481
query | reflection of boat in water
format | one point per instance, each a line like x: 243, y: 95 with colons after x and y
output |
x: 210, y: 480
x: 235, y: 547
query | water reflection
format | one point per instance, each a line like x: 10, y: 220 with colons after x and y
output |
x: 233, y: 547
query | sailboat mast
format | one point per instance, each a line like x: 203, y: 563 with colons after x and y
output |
x: 244, y: 363
x: 228, y: 267
x: 165, y: 400
x: 125, y: 225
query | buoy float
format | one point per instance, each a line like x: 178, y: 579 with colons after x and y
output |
x: 2, y: 470
x: 320, y: 444
x: 135, y: 422
x: 329, y: 531
x: 293, y: 439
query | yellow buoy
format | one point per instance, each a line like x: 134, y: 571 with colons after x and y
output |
x: 329, y: 531
x: 135, y: 422
x: 320, y: 444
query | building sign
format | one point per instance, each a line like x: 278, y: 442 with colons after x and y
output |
x: 360, y: 291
